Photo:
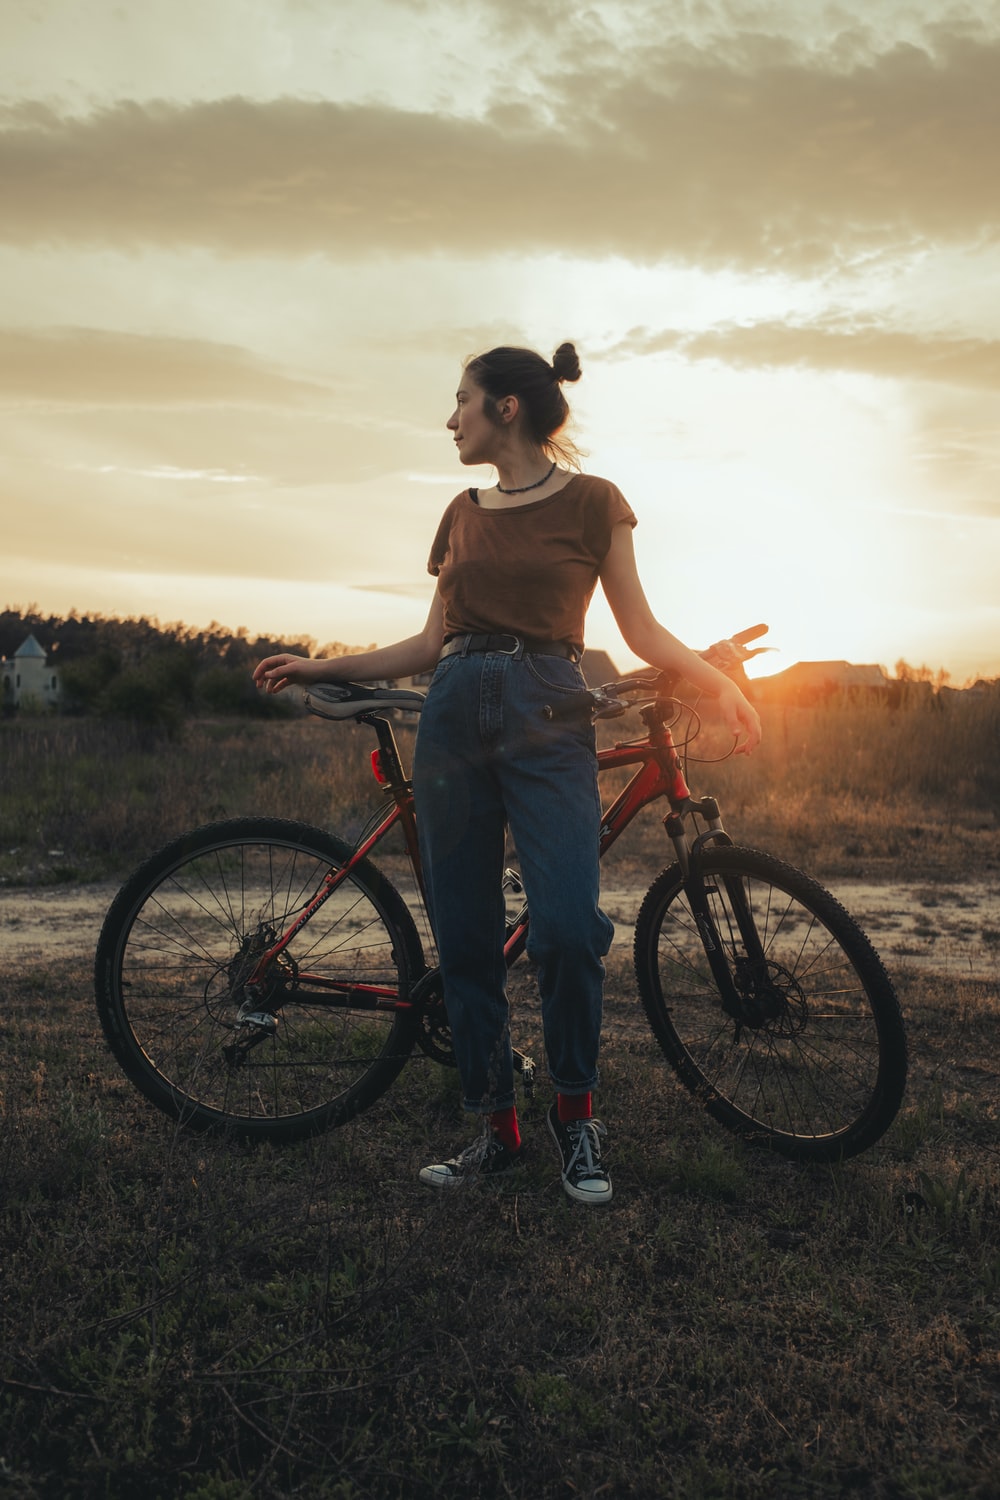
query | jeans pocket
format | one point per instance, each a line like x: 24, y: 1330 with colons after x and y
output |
x: 556, y: 674
x: 444, y: 666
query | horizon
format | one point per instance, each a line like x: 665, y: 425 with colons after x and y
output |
x: 247, y: 244
x: 758, y: 667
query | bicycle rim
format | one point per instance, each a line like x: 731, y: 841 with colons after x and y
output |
x: 815, y: 1064
x: 296, y: 1055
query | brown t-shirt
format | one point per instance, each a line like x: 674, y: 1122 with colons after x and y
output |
x: 529, y: 569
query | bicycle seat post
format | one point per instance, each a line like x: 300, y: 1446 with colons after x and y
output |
x: 390, y: 766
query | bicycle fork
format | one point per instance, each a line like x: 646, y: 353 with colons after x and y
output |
x: 745, y: 1002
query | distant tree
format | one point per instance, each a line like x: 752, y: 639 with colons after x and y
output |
x: 85, y: 679
x: 226, y: 690
x: 138, y: 697
x: 905, y: 673
x: 331, y: 649
x: 154, y: 674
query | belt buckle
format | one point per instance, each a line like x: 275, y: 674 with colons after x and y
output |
x: 518, y: 644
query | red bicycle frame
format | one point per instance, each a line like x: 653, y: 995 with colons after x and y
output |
x: 659, y: 775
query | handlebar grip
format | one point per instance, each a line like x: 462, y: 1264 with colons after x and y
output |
x: 594, y: 703
x: 743, y: 636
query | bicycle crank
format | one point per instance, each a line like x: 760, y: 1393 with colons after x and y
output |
x: 434, y: 1032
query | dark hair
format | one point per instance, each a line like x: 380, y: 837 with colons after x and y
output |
x: 507, y: 371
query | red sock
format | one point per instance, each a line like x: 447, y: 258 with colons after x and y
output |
x: 574, y: 1107
x: 503, y: 1123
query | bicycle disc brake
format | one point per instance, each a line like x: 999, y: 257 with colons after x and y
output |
x: 770, y: 998
x: 259, y: 999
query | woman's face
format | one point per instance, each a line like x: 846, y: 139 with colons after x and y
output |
x: 476, y: 435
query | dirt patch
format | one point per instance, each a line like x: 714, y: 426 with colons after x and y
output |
x: 45, y: 922
x: 945, y: 928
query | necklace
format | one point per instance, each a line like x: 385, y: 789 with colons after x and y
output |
x: 522, y: 488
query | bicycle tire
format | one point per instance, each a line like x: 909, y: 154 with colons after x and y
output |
x: 820, y: 1080
x: 183, y: 933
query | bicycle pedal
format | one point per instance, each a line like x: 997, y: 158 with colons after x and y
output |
x: 526, y: 1067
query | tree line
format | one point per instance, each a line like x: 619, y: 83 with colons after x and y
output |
x: 138, y: 669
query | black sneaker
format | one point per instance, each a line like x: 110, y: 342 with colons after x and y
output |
x: 486, y: 1157
x: 579, y: 1142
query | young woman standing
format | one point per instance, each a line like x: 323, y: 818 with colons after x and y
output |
x: 516, y: 566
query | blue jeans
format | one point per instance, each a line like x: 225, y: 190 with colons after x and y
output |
x: 487, y: 757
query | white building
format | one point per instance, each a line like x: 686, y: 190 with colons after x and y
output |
x: 28, y: 680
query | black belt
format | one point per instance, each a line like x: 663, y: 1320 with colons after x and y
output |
x: 509, y: 645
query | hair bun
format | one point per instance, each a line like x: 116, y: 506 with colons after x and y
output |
x: 565, y: 363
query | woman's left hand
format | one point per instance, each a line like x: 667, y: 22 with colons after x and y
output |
x: 741, y: 717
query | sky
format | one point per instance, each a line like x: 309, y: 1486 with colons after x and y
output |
x: 246, y: 246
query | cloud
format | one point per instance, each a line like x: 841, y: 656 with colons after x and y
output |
x: 415, y: 590
x: 753, y: 151
x: 172, y: 474
x: 829, y: 343
x: 197, y: 527
x: 956, y: 458
x: 96, y: 367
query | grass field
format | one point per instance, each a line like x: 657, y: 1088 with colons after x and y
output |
x: 185, y: 1318
x: 845, y: 790
x: 182, y: 1317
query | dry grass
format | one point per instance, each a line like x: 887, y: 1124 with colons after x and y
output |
x: 183, y: 1318
x: 87, y: 799
x: 857, y: 791
x: 846, y: 791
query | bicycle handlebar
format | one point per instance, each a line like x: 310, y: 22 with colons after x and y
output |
x: 351, y: 700
x: 604, y: 702
x: 726, y: 656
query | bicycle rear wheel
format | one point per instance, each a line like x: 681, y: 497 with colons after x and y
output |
x: 815, y: 1065
x: 321, y: 1036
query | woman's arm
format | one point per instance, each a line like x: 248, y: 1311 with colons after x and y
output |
x: 644, y: 635
x: 419, y: 653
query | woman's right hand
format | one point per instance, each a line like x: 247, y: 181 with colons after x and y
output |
x: 275, y: 673
x: 379, y: 664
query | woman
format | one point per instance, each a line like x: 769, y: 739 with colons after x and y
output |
x: 516, y: 566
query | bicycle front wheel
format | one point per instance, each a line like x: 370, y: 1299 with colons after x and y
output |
x: 814, y: 1062
x: 277, y: 1053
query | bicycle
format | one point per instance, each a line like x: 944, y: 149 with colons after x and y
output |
x: 265, y: 977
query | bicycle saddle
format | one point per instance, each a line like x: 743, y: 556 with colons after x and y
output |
x: 349, y: 700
